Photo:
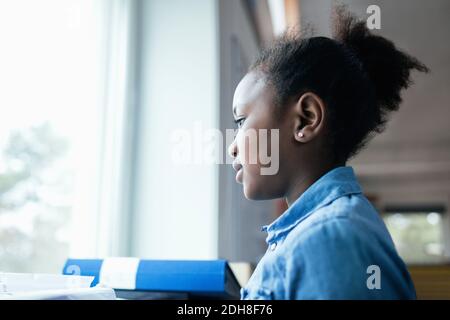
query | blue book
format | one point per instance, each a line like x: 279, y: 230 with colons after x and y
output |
x: 132, y: 277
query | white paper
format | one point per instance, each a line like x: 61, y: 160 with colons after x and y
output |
x: 51, y: 286
x: 95, y: 293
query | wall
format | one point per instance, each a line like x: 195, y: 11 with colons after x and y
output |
x: 174, y: 210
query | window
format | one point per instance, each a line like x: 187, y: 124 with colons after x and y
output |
x: 417, y: 233
x: 55, y: 129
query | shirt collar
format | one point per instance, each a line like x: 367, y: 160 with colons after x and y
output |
x: 334, y: 184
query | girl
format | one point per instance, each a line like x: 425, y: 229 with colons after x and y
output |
x: 327, y: 97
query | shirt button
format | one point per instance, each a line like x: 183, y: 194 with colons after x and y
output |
x: 273, y: 246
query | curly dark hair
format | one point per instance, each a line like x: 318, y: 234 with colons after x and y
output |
x: 359, y: 76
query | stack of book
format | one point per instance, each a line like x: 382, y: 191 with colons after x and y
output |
x: 133, y: 278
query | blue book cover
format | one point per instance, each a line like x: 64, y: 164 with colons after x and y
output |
x: 201, y: 278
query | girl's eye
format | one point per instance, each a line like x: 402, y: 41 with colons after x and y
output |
x: 239, y: 122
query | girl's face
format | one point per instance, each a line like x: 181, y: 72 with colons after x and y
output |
x: 254, y: 109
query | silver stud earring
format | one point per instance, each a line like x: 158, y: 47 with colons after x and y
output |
x: 300, y: 134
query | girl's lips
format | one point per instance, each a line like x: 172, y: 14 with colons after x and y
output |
x: 239, y: 175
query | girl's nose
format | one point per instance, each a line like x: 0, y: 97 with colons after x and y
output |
x: 232, y: 150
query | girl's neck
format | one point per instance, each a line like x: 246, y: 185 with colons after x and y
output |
x: 303, y: 181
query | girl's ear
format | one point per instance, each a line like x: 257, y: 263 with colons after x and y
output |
x: 309, y: 117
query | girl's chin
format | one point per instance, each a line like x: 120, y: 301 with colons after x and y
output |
x: 252, y: 194
x: 247, y: 191
x: 258, y: 191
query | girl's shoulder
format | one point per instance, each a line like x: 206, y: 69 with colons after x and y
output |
x: 347, y: 219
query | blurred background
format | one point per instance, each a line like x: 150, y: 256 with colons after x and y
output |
x: 92, y: 91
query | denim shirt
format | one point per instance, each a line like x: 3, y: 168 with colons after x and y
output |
x: 330, y: 243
